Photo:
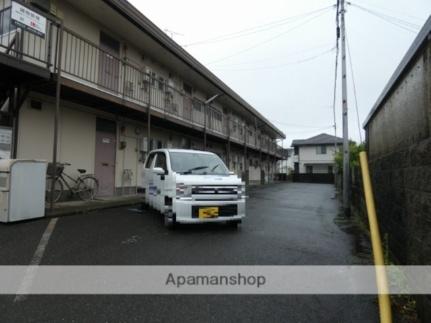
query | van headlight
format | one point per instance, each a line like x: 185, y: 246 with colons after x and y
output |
x: 241, y: 190
x: 183, y: 190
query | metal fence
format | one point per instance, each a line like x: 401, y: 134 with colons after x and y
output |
x: 24, y: 45
x: 88, y: 63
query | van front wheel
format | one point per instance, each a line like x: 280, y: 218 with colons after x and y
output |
x: 169, y: 220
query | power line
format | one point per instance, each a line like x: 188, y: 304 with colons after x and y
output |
x: 255, y: 29
x: 389, y: 17
x: 272, y: 59
x: 354, y: 90
x: 413, y: 28
x: 394, y: 11
x: 294, y: 125
x: 337, y: 51
x: 280, y: 65
x: 268, y: 40
x: 307, y: 131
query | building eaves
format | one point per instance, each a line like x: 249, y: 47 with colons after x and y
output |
x: 322, y: 139
x: 414, y: 49
x: 137, y: 18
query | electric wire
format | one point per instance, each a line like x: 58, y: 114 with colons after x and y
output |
x: 354, y: 90
x: 413, y: 28
x: 337, y: 52
x: 268, y: 40
x: 279, y: 65
x: 326, y: 45
x: 256, y: 29
x: 390, y: 17
x: 391, y: 10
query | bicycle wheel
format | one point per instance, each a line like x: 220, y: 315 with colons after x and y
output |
x: 87, y: 187
x: 58, y: 190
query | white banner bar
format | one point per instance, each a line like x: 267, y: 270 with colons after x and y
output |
x: 210, y: 280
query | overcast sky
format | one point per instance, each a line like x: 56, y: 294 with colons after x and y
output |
x: 286, y: 69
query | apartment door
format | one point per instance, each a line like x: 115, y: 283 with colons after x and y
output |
x: 105, y: 156
x: 109, y: 64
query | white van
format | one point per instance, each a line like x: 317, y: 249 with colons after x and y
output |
x: 191, y: 186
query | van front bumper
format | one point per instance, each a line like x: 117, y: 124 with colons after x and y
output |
x: 186, y: 211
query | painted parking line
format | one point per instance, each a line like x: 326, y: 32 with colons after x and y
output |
x: 35, y: 262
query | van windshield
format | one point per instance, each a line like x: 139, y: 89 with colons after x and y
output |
x: 197, y: 163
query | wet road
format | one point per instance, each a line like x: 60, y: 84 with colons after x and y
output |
x: 287, y: 224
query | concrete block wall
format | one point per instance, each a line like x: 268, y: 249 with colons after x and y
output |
x: 399, y: 147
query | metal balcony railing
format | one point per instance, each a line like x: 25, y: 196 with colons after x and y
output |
x: 87, y: 63
x: 25, y: 45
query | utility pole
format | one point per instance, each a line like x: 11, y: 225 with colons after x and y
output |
x: 346, y: 154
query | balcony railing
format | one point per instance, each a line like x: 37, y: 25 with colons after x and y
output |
x: 90, y: 64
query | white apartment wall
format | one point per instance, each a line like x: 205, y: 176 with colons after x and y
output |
x: 76, y: 136
x: 308, y: 155
x: 77, y: 139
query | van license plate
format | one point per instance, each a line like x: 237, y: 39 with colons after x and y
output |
x: 208, y: 212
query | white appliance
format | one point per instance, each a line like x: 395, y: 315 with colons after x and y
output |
x: 22, y: 189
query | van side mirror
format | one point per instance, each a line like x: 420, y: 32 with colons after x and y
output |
x: 159, y: 171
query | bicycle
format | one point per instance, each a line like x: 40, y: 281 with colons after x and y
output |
x: 85, y: 186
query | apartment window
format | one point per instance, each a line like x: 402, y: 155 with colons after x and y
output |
x: 309, y: 169
x: 321, y: 150
x: 296, y: 151
x: 330, y: 170
x: 6, y: 24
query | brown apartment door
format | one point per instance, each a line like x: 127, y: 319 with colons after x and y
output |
x: 105, y: 156
x: 109, y: 64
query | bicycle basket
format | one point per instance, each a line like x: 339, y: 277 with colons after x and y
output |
x: 50, y: 170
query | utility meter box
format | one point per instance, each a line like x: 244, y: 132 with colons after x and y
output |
x: 22, y: 189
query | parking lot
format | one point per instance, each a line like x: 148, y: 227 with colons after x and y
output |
x: 286, y: 224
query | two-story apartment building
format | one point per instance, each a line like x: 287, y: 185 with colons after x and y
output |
x: 315, y: 155
x: 124, y: 87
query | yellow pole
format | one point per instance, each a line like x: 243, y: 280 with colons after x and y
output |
x: 376, y: 242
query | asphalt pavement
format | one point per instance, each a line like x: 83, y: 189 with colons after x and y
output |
x: 286, y: 224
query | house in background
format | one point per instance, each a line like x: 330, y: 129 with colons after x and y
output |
x: 315, y: 155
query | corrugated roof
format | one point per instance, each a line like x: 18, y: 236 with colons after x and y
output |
x: 322, y: 139
x: 419, y: 41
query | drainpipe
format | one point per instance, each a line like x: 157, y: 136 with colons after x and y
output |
x: 149, y: 116
x: 57, y: 113
x: 228, y: 139
x: 245, y: 155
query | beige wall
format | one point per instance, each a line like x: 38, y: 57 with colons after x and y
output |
x: 77, y: 140
x: 308, y: 155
